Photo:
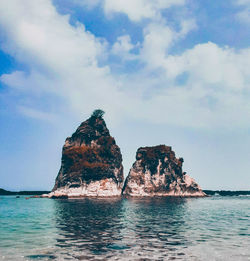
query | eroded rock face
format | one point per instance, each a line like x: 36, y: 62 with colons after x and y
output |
x: 91, y: 163
x: 157, y: 172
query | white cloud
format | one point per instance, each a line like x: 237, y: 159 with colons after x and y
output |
x: 211, y: 66
x: 37, y: 33
x: 63, y: 61
x: 122, y: 46
x: 33, y: 81
x: 37, y: 114
x: 243, y: 2
x: 137, y: 10
x: 244, y: 14
x: 187, y: 25
x: 215, y: 93
x: 87, y: 3
x: 159, y: 38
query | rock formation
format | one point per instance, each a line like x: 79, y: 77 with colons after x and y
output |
x: 157, y: 172
x: 91, y: 162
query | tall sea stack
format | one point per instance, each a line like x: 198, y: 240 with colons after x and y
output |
x: 91, y: 162
x: 157, y: 172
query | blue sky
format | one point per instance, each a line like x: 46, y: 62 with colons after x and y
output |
x: 172, y: 72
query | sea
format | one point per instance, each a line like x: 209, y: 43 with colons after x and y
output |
x: 211, y: 228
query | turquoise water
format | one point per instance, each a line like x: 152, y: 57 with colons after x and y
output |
x: 215, y: 228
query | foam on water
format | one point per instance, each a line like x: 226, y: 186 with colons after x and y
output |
x: 215, y: 228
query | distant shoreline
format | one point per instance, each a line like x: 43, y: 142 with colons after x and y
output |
x: 4, y: 192
x: 227, y: 192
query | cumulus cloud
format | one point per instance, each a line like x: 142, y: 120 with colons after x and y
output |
x: 159, y: 38
x: 211, y: 66
x: 123, y: 46
x: 214, y: 91
x: 203, y: 86
x: 37, y: 33
x: 62, y: 59
x: 137, y: 10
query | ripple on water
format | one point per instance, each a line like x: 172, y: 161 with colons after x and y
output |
x: 47, y: 257
x: 125, y: 229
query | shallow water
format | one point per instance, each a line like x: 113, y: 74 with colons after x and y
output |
x: 215, y: 228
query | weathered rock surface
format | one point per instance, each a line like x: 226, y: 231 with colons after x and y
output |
x: 91, y: 163
x: 157, y: 172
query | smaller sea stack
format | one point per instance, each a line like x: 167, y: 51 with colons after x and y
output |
x: 91, y: 162
x: 157, y: 172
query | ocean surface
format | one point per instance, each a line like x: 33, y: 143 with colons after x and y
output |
x: 215, y: 228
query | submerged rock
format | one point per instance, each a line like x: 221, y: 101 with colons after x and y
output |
x: 157, y: 172
x: 91, y: 163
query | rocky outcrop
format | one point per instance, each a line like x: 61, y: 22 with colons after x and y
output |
x: 157, y: 172
x: 91, y: 163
